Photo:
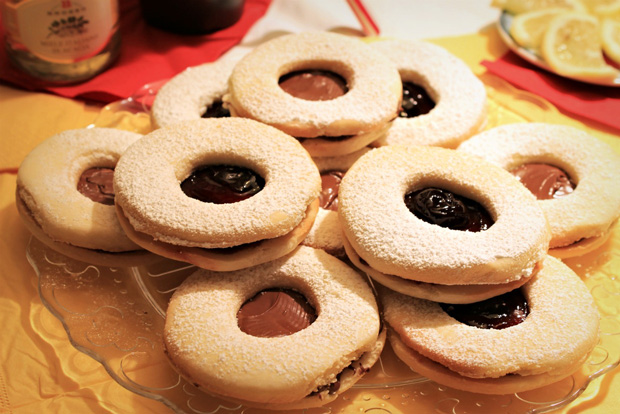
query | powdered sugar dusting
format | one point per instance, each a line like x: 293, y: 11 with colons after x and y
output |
x: 203, y: 338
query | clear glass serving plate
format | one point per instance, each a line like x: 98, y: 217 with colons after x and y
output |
x: 116, y: 315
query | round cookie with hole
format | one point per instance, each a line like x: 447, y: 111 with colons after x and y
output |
x: 574, y: 175
x: 528, y: 338
x: 443, y: 102
x: 438, y: 216
x: 330, y: 90
x: 222, y: 194
x: 193, y: 94
x: 289, y: 334
x: 65, y: 196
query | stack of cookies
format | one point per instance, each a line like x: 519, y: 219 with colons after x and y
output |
x: 316, y: 159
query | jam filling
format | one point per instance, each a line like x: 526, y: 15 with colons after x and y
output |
x: 446, y: 209
x: 222, y: 184
x: 97, y: 184
x: 275, y: 312
x: 415, y: 102
x: 328, y: 198
x: 544, y: 181
x: 499, y: 312
x: 216, y: 110
x: 314, y: 85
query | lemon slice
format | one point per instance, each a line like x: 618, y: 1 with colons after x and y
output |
x: 522, y: 6
x: 603, y: 7
x: 572, y: 47
x: 528, y: 28
x: 610, y: 35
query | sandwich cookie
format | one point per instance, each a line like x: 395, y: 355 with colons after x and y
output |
x: 222, y: 194
x: 526, y: 339
x: 289, y: 334
x: 326, y: 233
x: 330, y: 90
x: 65, y: 196
x: 443, y: 102
x: 574, y: 176
x: 439, y: 216
x: 193, y: 94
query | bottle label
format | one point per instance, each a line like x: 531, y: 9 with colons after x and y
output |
x: 62, y: 30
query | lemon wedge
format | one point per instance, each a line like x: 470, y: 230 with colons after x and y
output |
x: 572, y: 47
x: 528, y: 28
x: 522, y: 6
x: 610, y: 36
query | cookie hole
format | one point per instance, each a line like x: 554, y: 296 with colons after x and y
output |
x: 216, y: 110
x: 545, y: 181
x: 313, y: 84
x: 499, y: 312
x: 96, y: 183
x: 330, y: 185
x: 447, y: 209
x: 416, y: 101
x: 222, y: 184
x: 275, y: 312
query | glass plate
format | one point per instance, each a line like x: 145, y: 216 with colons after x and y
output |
x: 116, y: 315
x: 532, y: 56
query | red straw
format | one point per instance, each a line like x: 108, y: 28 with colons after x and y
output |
x: 369, y: 27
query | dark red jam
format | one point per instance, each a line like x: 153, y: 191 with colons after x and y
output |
x: 275, y: 312
x: 313, y: 85
x: 544, y: 181
x: 499, y: 312
x: 415, y: 102
x: 328, y: 198
x: 446, y: 209
x: 97, y: 184
x: 216, y: 110
x: 222, y: 184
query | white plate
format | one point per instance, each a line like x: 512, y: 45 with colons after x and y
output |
x: 503, y: 25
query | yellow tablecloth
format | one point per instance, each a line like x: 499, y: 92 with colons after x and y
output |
x: 41, y: 372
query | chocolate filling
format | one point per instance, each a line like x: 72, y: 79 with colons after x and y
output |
x: 334, y: 387
x: 498, y: 312
x: 216, y: 110
x: 544, y: 181
x: 313, y: 85
x: 328, y: 198
x: 222, y: 184
x: 97, y: 184
x: 415, y: 101
x: 446, y: 209
x: 274, y: 313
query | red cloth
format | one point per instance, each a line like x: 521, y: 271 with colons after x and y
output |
x: 147, y: 55
x: 593, y: 102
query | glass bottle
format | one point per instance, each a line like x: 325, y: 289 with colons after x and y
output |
x: 61, y: 41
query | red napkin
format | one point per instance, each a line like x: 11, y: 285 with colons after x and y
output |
x: 147, y: 55
x: 594, y: 102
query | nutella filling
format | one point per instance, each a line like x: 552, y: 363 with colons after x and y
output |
x: 415, y: 101
x: 499, y: 312
x: 313, y: 85
x: 275, y: 312
x: 446, y: 209
x: 328, y: 198
x: 222, y: 184
x: 216, y: 110
x: 544, y: 181
x: 97, y: 184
